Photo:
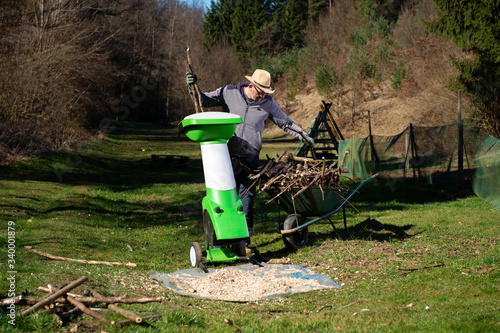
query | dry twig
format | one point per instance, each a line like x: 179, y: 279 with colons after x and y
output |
x: 59, y: 300
x: 109, y: 300
x: 126, y: 313
x: 52, y: 297
x: 92, y: 262
x: 289, y: 173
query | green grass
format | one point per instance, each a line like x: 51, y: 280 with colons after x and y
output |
x: 92, y: 202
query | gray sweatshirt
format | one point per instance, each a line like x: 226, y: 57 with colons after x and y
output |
x: 248, y: 135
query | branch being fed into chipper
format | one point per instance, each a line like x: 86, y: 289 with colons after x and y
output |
x: 194, y: 86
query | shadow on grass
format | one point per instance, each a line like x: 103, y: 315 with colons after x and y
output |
x: 150, y: 134
x: 116, y: 178
x: 135, y: 193
x: 394, y: 194
x: 112, y: 162
x: 106, y: 213
x: 376, y: 195
x: 367, y: 230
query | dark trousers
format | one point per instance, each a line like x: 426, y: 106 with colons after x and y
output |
x: 242, y: 184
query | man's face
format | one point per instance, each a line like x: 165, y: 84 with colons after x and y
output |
x: 255, y: 93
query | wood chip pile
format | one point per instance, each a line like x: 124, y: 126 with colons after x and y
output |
x: 291, y: 173
x: 237, y: 285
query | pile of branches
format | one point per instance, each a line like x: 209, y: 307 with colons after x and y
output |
x: 296, y: 174
x: 64, y: 304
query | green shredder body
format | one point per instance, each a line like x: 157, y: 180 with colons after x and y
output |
x: 222, y: 208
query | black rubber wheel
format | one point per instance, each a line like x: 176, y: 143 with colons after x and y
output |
x: 239, y: 249
x: 195, y: 254
x: 295, y: 240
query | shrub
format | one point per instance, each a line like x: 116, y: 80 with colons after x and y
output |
x: 326, y: 78
x: 279, y: 66
x: 399, y: 75
x: 377, y: 28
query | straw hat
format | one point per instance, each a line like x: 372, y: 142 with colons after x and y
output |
x: 262, y: 80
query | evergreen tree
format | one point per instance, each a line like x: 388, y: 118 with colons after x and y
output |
x: 217, y: 24
x: 296, y: 16
x: 249, y: 20
x: 294, y: 21
x: 316, y: 7
x: 259, y: 28
x: 474, y: 26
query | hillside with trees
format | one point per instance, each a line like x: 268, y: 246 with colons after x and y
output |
x: 69, y: 69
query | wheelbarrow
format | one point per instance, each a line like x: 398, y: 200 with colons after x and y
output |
x: 312, y: 202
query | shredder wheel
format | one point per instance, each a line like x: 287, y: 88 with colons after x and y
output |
x: 195, y: 254
x: 239, y: 249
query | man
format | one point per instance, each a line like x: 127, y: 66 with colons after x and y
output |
x: 252, y: 102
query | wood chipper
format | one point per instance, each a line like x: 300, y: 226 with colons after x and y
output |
x: 224, y: 219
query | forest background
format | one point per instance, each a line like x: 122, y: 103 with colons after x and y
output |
x: 68, y: 69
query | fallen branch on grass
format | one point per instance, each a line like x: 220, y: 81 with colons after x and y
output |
x: 87, y: 311
x: 109, y: 300
x: 80, y: 306
x: 419, y: 268
x: 63, y: 304
x: 11, y: 300
x: 19, y: 300
x: 83, y: 261
x: 152, y: 315
x: 345, y: 306
x: 126, y: 313
x: 52, y: 297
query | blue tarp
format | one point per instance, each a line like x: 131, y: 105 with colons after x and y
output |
x: 177, y: 281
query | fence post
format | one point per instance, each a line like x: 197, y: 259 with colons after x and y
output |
x: 414, y: 154
x: 407, y: 154
x: 372, y: 155
x: 375, y: 161
x: 460, y: 144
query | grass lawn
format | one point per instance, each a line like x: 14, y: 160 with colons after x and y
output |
x: 102, y: 199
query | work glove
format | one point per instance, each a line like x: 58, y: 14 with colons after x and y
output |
x: 309, y: 141
x: 190, y: 78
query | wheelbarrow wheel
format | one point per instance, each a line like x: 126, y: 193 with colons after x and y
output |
x: 195, y: 254
x: 298, y: 239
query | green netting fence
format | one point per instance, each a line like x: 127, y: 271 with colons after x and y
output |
x: 431, y: 153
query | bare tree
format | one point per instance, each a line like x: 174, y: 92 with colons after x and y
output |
x: 68, y: 67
